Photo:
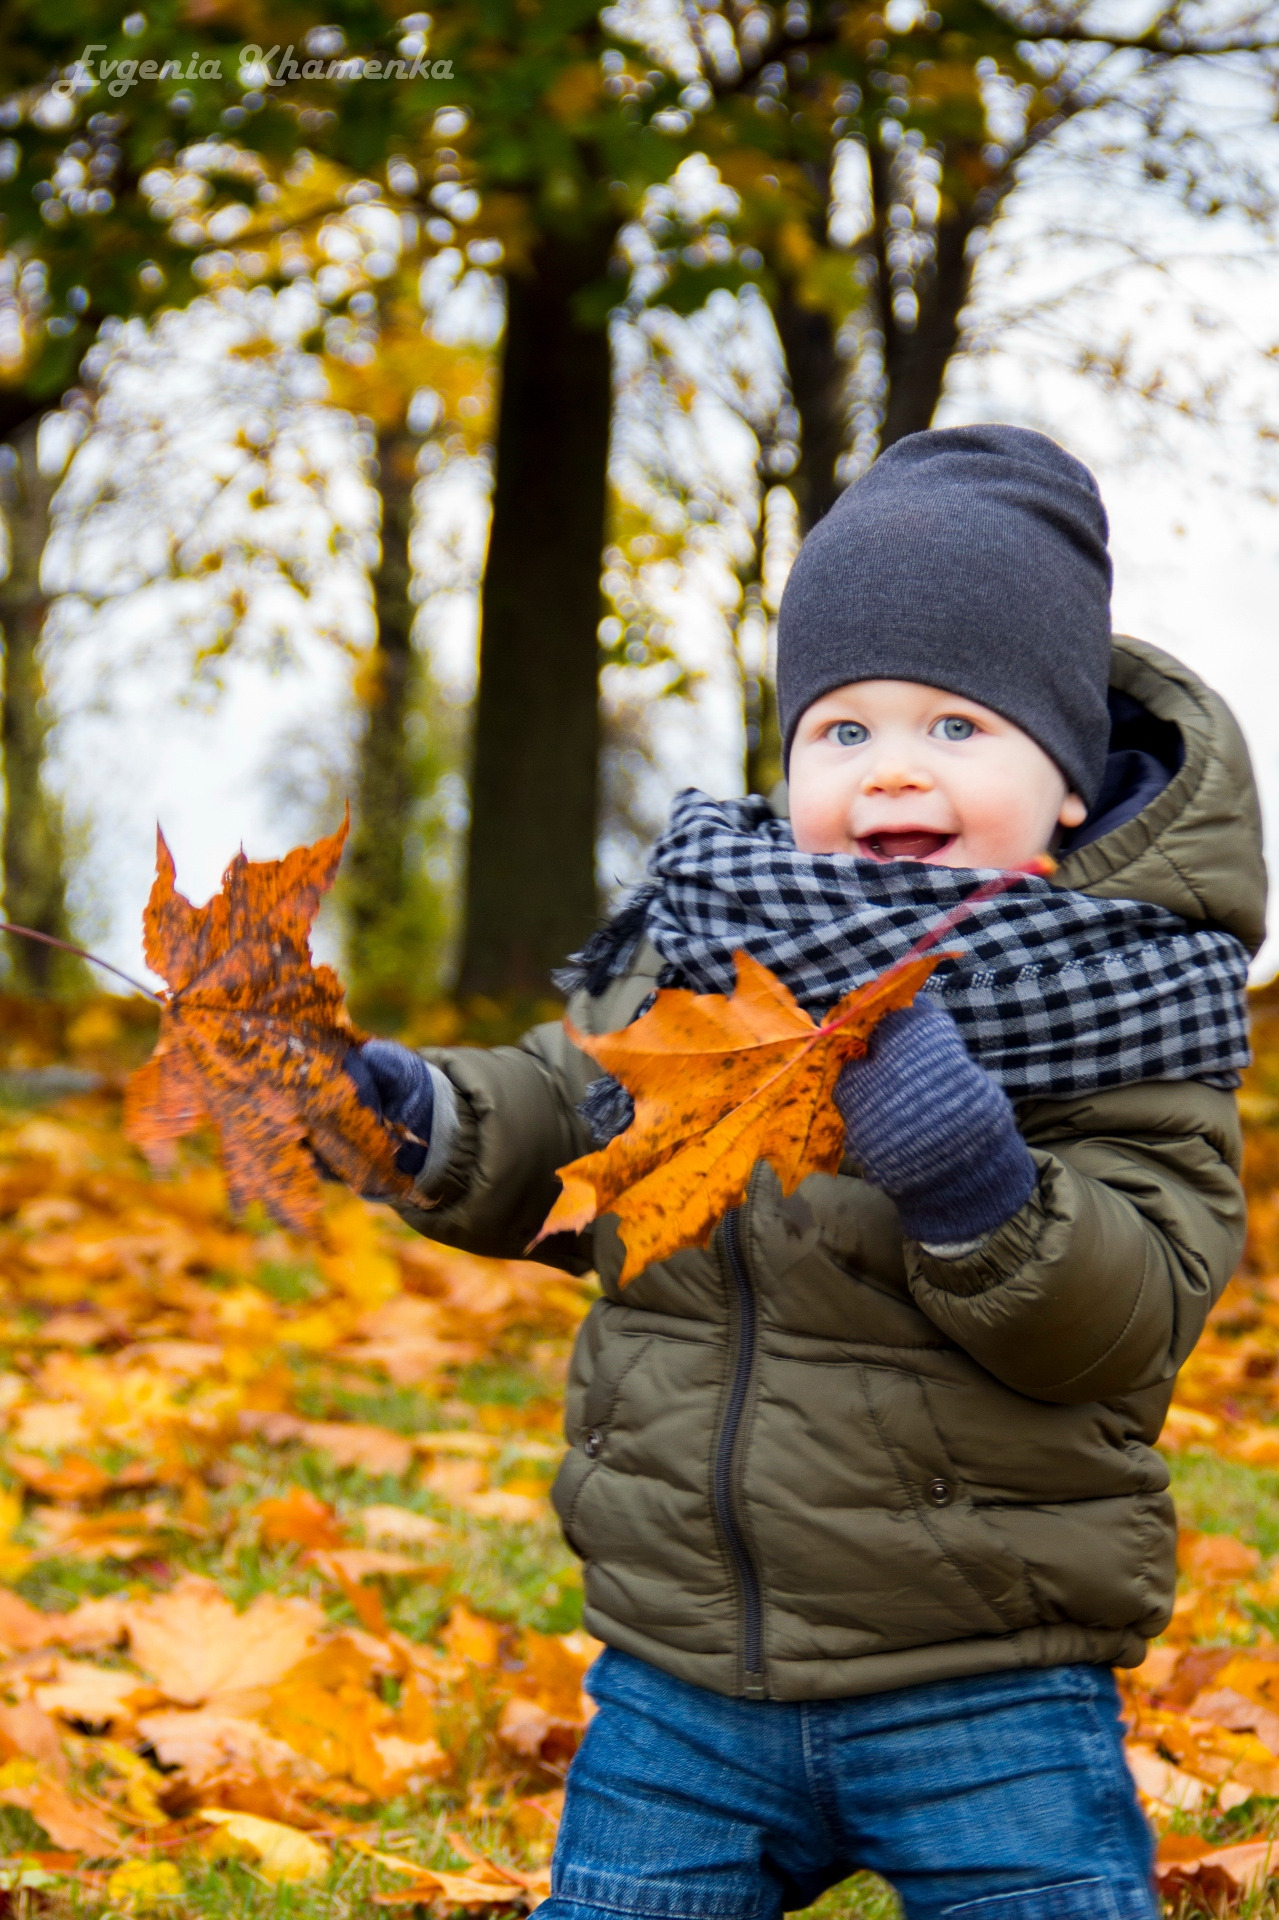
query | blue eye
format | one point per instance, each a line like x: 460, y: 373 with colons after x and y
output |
x: 955, y: 727
x: 849, y: 733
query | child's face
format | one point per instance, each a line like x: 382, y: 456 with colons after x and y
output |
x: 891, y: 770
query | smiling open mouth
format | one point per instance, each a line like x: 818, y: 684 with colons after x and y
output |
x: 913, y: 844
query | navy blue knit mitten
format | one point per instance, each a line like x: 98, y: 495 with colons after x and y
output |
x: 398, y: 1085
x: 931, y: 1127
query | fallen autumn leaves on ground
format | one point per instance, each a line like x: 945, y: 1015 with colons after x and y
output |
x: 285, y: 1623
x: 280, y: 1572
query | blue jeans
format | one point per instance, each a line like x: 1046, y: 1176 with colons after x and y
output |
x: 1005, y: 1797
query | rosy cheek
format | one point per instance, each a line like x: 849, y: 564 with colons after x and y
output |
x: 983, y: 818
x: 818, y: 818
x: 809, y: 829
x: 1000, y: 828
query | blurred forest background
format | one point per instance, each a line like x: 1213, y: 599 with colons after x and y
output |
x: 438, y: 441
x: 441, y: 441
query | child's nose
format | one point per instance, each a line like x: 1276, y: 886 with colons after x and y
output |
x: 893, y: 775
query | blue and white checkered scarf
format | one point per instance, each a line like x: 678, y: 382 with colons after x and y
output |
x: 1056, y: 993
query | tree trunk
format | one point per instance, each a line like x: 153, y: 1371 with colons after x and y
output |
x: 34, y: 879
x: 531, y: 892
x: 383, y: 938
x: 817, y: 373
x: 762, y: 762
x: 763, y: 736
x: 916, y: 358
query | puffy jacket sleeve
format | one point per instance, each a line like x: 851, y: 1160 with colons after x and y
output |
x: 516, y: 1122
x: 1101, y: 1283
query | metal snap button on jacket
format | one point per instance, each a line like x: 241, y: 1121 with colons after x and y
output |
x: 939, y: 1491
x: 593, y: 1442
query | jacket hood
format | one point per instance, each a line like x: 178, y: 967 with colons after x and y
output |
x: 1196, y: 847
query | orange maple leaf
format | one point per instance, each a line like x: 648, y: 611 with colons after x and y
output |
x: 719, y: 1083
x: 299, y: 1519
x: 252, y: 1037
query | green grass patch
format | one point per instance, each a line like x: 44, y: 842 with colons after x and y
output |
x: 1226, y: 1496
x: 292, y: 1286
x: 500, y: 1385
x: 401, y: 1409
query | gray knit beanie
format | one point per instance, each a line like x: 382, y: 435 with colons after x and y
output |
x: 972, y: 559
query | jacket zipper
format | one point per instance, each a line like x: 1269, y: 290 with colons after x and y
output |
x: 725, y: 1492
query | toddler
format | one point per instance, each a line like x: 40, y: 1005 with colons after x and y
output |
x: 865, y: 1490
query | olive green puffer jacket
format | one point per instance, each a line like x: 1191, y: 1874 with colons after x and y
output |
x: 814, y: 1460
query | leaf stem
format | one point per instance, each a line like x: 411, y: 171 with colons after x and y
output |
x: 81, y: 953
x: 1039, y: 868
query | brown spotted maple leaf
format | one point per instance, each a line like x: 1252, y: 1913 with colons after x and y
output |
x: 253, y: 1036
x: 719, y: 1082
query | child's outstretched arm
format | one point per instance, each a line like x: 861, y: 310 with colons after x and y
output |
x: 1073, y: 1251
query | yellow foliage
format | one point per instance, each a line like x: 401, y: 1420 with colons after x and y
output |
x: 142, y: 1782
x: 505, y: 217
x: 407, y: 359
x: 142, y: 1886
x: 357, y: 1267
x: 575, y: 92
x: 281, y: 1852
x: 14, y: 1559
x: 97, y: 1027
x: 795, y: 245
